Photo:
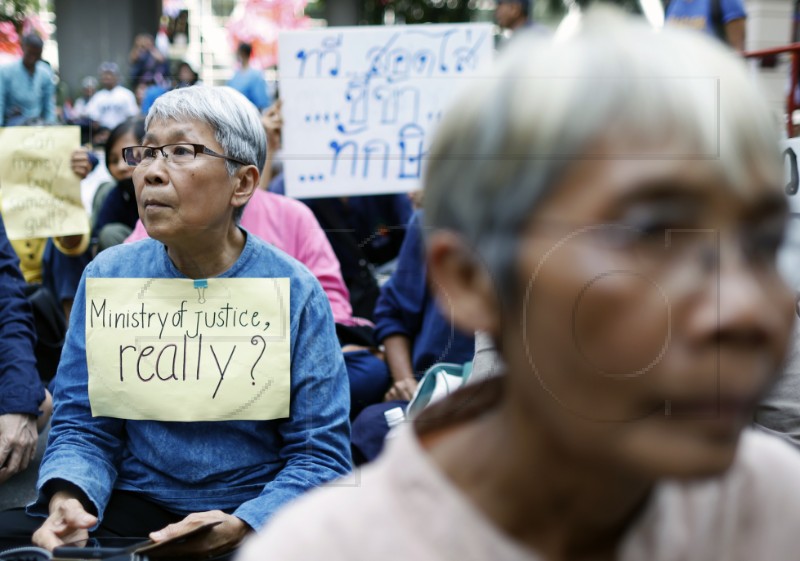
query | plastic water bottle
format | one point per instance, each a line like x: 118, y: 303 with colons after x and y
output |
x: 394, y: 417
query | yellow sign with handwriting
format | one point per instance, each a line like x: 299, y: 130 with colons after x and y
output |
x: 41, y: 194
x: 187, y: 350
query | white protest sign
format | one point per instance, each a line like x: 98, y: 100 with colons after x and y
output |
x: 360, y: 104
x: 183, y: 350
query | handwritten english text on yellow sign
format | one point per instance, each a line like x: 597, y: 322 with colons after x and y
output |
x: 41, y: 194
x: 183, y: 350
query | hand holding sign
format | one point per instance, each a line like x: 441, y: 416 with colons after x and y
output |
x: 41, y: 193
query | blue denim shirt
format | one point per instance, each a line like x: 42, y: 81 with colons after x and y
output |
x: 248, y: 468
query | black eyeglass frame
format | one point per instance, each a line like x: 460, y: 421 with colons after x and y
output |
x: 198, y: 149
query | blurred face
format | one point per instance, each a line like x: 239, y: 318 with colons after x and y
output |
x: 654, y: 317
x: 144, y: 41
x: 31, y: 55
x: 177, y: 202
x: 185, y: 74
x: 116, y: 165
x: 508, y: 14
x: 108, y: 80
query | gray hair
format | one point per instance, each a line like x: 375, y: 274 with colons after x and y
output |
x: 235, y: 121
x: 504, y: 145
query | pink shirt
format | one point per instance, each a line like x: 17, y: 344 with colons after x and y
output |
x: 290, y: 226
x: 402, y: 507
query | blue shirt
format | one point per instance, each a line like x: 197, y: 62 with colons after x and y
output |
x: 406, y: 307
x: 21, y: 391
x: 24, y: 96
x: 247, y: 468
x: 252, y: 84
x: 151, y: 94
x: 698, y: 14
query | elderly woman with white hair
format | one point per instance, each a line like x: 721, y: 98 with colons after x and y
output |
x: 609, y: 210
x: 111, y: 476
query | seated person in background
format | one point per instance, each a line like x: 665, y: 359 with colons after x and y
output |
x: 636, y: 344
x: 410, y: 324
x: 118, y: 213
x: 22, y: 396
x: 415, y: 335
x: 76, y: 114
x: 110, y: 105
x: 100, y: 475
x: 185, y: 76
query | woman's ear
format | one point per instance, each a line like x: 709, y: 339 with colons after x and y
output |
x: 461, y: 283
x: 246, y: 183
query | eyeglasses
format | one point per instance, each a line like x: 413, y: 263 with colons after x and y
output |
x: 177, y: 154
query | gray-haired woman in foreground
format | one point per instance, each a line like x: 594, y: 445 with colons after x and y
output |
x: 608, y: 209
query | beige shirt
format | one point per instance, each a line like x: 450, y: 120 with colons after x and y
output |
x: 402, y: 508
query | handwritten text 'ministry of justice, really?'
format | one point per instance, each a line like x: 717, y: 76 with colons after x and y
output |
x: 222, y: 317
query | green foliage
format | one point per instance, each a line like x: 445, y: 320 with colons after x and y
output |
x: 419, y: 11
x: 454, y: 11
x: 373, y: 12
x: 16, y: 10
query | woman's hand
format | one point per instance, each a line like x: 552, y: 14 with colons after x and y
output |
x: 221, y: 538
x: 18, y: 438
x: 402, y: 389
x: 398, y: 359
x: 79, y: 162
x: 68, y: 522
x: 272, y: 120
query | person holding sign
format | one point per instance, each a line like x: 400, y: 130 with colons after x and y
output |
x: 201, y: 379
x: 624, y: 263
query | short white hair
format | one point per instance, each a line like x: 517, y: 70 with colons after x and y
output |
x: 234, y: 120
x: 500, y: 148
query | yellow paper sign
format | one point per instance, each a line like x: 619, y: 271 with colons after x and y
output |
x: 184, y: 350
x: 41, y: 194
